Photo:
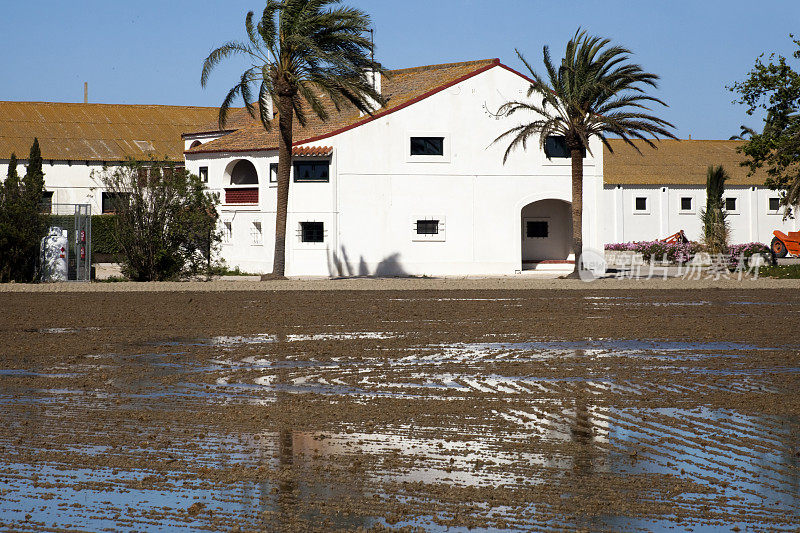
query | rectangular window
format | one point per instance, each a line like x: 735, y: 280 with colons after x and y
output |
x: 203, y: 174
x: 686, y: 203
x: 427, y: 146
x: 537, y: 229
x: 110, y: 201
x: 255, y: 233
x: 427, y: 227
x: 47, y: 202
x: 555, y: 146
x: 227, y: 232
x: 730, y: 204
x: 312, y: 232
x: 312, y: 171
x: 273, y: 172
x: 641, y: 203
x: 774, y: 204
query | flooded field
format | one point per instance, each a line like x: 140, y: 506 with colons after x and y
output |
x: 406, y: 411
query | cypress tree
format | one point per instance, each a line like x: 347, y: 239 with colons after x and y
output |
x: 34, y: 176
x: 11, y: 184
x: 22, y: 224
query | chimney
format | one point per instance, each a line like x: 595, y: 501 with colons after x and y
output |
x: 374, y: 79
x: 86, y: 92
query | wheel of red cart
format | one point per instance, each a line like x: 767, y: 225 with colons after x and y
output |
x: 778, y: 248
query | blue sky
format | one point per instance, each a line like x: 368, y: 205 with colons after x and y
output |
x: 151, y: 52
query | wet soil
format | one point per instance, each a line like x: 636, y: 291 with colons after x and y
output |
x: 400, y: 411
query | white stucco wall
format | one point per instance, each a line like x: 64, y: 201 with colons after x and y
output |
x: 377, y: 191
x: 751, y: 222
x: 71, y: 183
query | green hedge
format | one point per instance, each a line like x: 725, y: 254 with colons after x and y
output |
x: 103, y: 241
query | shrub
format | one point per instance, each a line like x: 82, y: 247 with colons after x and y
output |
x: 747, y: 251
x: 165, y: 222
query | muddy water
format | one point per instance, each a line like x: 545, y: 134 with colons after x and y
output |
x: 404, y: 411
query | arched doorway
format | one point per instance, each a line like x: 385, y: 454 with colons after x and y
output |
x: 546, y: 233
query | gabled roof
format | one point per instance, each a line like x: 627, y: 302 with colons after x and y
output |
x: 401, y: 88
x: 98, y: 132
x: 683, y: 162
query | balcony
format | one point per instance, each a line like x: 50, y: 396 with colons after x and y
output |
x: 242, y: 195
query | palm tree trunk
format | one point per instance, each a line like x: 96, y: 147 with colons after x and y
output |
x: 286, y: 113
x: 577, y: 208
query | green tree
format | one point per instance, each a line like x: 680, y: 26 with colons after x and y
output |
x: 22, y: 225
x: 773, y: 86
x: 301, y: 51
x: 33, y: 182
x: 716, y: 227
x: 165, y: 223
x: 595, y: 91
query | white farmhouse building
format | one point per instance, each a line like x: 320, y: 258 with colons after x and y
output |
x: 417, y: 188
x: 76, y: 140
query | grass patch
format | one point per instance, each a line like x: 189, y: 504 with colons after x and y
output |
x: 222, y: 270
x: 780, y: 271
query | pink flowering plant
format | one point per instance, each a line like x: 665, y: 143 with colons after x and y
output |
x: 671, y: 252
x: 681, y: 253
x: 746, y: 252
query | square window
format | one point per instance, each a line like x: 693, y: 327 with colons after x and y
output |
x: 427, y: 146
x: 537, y: 229
x: 686, y: 203
x: 47, y: 202
x: 312, y: 171
x: 774, y: 204
x: 227, y: 232
x: 730, y: 204
x: 255, y: 233
x: 273, y: 172
x: 427, y: 227
x: 203, y: 174
x: 555, y: 146
x: 641, y: 203
x: 312, y: 232
x: 112, y: 200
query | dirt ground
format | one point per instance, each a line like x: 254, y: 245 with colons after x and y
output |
x: 450, y: 410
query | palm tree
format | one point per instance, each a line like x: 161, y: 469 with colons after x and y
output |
x: 595, y: 91
x: 301, y: 52
x: 716, y: 227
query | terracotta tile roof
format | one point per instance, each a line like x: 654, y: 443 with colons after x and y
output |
x: 312, y: 151
x: 674, y: 163
x: 400, y: 88
x: 97, y: 132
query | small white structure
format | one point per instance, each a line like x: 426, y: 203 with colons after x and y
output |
x: 418, y: 188
x: 55, y: 255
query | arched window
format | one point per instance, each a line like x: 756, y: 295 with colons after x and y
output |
x: 195, y: 144
x: 244, y: 173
